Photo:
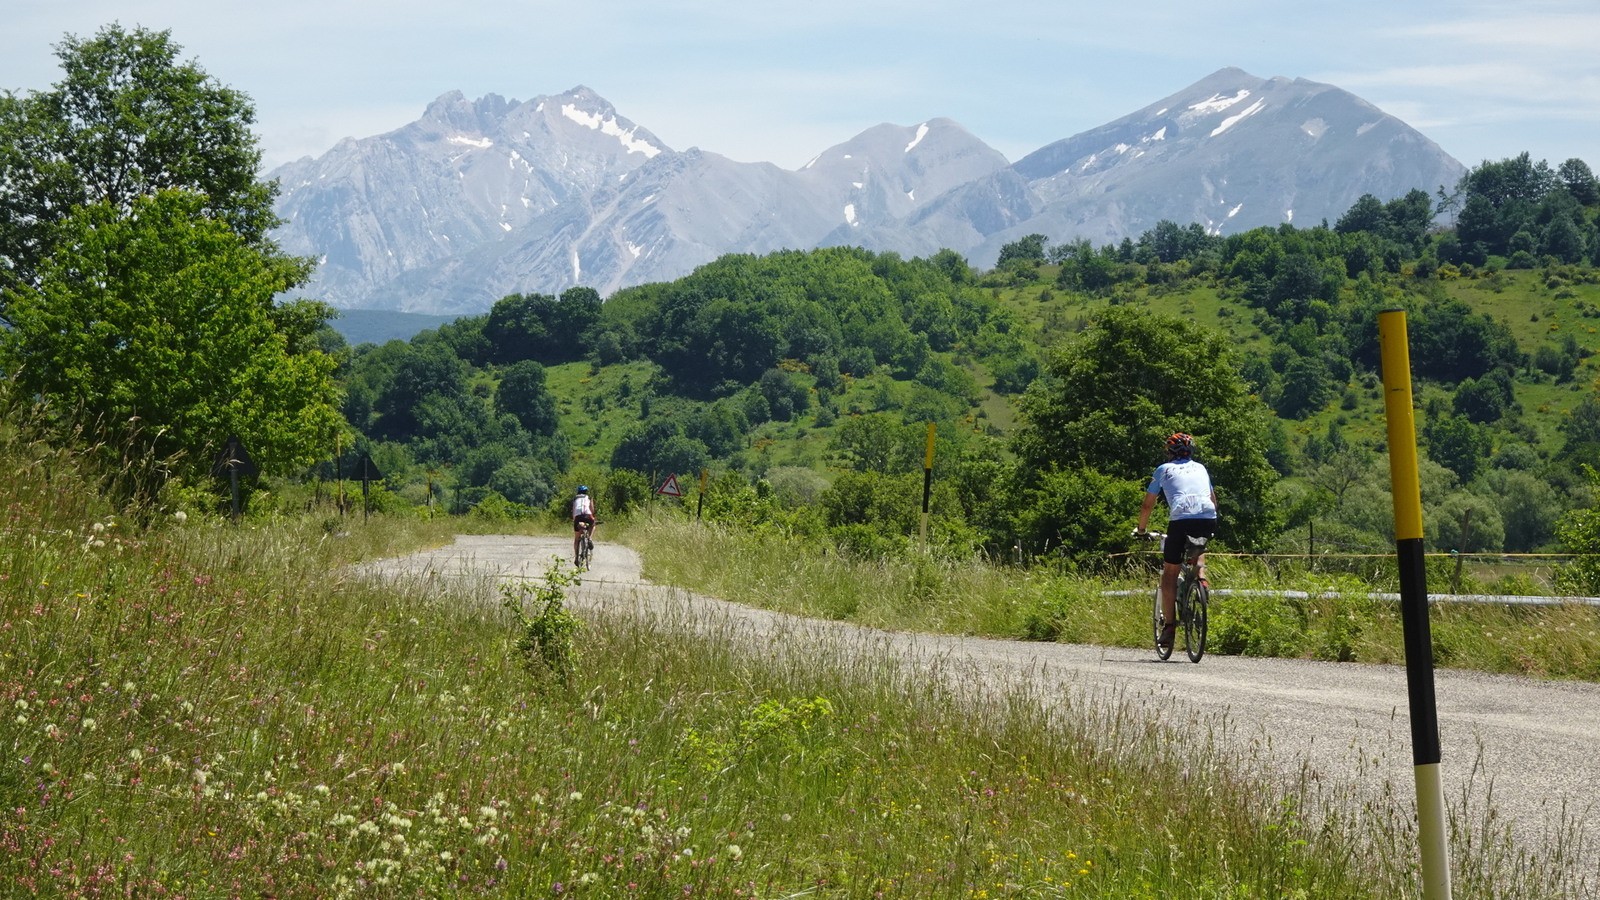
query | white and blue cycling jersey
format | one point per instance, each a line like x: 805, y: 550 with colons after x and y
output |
x: 1187, y: 485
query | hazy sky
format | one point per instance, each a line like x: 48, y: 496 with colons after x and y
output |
x: 755, y: 80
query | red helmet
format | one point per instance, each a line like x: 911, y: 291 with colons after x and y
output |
x: 1180, y: 444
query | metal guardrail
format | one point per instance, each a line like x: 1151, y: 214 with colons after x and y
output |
x: 1492, y: 599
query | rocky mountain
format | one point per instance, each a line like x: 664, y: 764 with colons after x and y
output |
x: 481, y: 199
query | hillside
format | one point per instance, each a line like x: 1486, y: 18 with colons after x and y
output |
x: 811, y: 379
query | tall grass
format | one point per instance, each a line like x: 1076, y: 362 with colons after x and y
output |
x: 200, y: 710
x: 1255, y: 610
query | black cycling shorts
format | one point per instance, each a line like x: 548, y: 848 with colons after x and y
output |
x: 1178, y: 531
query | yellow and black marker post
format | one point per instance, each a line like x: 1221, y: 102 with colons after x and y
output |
x: 1395, y: 354
x: 927, y: 485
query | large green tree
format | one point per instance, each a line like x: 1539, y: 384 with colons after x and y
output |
x: 163, y: 316
x: 127, y: 120
x: 1112, y: 394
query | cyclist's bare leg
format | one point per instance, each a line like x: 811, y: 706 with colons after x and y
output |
x: 1169, y: 592
x: 577, y: 541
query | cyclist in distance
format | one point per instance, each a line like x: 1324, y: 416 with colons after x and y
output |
x: 582, y: 518
x: 1192, y: 510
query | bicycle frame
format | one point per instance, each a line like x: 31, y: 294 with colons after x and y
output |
x: 1191, y: 601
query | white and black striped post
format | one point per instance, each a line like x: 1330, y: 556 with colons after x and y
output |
x: 1395, y: 353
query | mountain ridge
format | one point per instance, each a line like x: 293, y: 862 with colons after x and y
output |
x: 481, y: 198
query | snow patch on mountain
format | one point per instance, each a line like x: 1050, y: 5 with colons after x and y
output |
x: 608, y: 125
x: 922, y: 132
x: 1233, y: 120
x: 1215, y: 103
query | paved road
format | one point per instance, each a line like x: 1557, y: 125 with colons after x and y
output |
x: 1534, y: 741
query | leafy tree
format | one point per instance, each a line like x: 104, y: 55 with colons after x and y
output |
x: 1458, y: 444
x: 1579, y: 534
x: 1528, y: 507
x: 1306, y: 387
x: 1478, y: 225
x: 659, y: 446
x: 721, y: 426
x: 1169, y: 242
x: 127, y: 121
x: 1580, y: 431
x: 1501, y: 199
x: 1579, y: 181
x: 1366, y: 214
x: 1014, y: 372
x: 522, y: 393
x: 1409, y: 217
x: 540, y: 327
x: 431, y: 369
x: 787, y: 396
x: 523, y: 481
x: 1563, y: 240
x: 1111, y: 396
x: 1077, y: 514
x: 1451, y: 342
x: 1560, y: 362
x: 1028, y: 249
x: 1466, y: 522
x: 166, y: 314
x: 1485, y: 400
x: 878, y: 442
x: 457, y: 431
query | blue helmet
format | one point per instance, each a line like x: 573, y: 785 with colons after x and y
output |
x: 583, y: 489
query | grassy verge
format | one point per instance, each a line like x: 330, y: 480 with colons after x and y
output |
x: 205, y: 713
x: 1337, y: 621
x: 202, y: 710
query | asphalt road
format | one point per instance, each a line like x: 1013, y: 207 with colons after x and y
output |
x: 1531, y: 743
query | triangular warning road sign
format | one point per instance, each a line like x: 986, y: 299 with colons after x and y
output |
x: 670, y: 487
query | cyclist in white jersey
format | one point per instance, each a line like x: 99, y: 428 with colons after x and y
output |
x: 582, y: 518
x: 1192, y: 510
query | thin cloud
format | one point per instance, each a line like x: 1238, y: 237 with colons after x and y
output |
x: 1533, y: 33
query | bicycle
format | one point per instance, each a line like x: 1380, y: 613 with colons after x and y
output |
x: 586, y: 546
x: 1193, y: 597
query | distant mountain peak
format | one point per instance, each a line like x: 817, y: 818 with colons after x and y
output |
x: 481, y: 198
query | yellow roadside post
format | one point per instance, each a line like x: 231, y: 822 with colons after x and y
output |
x: 1395, y: 355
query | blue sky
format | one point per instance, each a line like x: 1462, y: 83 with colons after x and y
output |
x: 761, y: 81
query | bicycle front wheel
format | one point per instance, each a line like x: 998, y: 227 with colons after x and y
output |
x: 1194, y: 625
x: 1155, y: 621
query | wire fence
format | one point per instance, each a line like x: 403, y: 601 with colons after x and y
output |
x: 1510, y: 579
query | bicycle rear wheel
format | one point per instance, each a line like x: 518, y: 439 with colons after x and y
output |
x: 1194, y: 625
x: 1155, y: 620
x: 585, y: 550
